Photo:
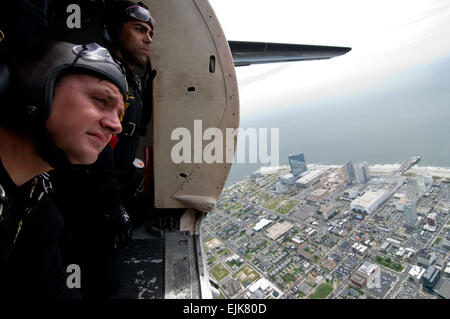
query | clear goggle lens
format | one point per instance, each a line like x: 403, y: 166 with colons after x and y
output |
x: 140, y: 13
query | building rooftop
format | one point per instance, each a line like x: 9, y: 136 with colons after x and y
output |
x: 319, y: 192
x: 443, y: 288
x: 417, y: 272
x: 358, y: 278
x: 369, y: 198
x: 278, y: 229
x: 310, y: 175
x: 261, y: 224
x: 262, y: 284
x: 367, y: 267
x: 430, y: 273
x: 287, y: 176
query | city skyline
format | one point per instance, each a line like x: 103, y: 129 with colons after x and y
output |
x: 274, y: 237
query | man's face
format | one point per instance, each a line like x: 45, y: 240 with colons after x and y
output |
x: 85, y: 114
x: 135, y: 39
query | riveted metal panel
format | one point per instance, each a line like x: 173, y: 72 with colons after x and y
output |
x: 195, y: 81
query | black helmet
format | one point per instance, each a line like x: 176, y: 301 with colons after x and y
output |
x: 37, y: 78
x: 119, y: 12
x: 33, y: 80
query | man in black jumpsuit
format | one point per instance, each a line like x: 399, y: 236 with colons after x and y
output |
x: 96, y: 201
x: 60, y: 106
x: 129, y: 31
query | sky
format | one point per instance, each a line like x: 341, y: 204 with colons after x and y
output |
x: 386, y: 37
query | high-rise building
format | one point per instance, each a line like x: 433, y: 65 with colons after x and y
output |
x: 351, y: 173
x: 362, y: 172
x: 421, y: 185
x: 431, y: 277
x: 359, y: 174
x: 410, y: 214
x: 426, y: 257
x: 280, y: 188
x: 366, y: 172
x: 413, y: 190
x: 367, y: 275
x: 432, y: 219
x: 298, y: 164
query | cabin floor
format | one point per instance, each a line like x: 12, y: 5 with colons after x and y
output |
x: 142, y: 267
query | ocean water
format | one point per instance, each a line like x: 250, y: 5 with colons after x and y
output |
x: 404, y: 116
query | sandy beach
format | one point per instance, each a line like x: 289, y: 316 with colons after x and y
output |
x: 443, y: 172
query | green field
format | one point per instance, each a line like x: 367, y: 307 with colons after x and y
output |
x: 223, y: 252
x: 388, y: 263
x: 219, y: 272
x: 274, y: 203
x: 211, y: 260
x: 322, y: 291
x: 286, y: 208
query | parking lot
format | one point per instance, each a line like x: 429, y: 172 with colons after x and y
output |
x: 444, y: 192
x: 409, y: 290
x: 387, y: 281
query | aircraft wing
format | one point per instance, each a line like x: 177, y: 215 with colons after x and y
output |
x: 246, y: 53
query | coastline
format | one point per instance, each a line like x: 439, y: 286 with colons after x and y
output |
x: 433, y: 171
x: 443, y: 172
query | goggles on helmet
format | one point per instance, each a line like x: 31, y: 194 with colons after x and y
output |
x: 140, y: 13
x: 95, y: 52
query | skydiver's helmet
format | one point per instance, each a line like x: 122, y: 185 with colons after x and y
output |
x: 32, y: 83
x: 117, y: 13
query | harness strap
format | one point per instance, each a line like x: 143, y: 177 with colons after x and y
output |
x: 130, y: 129
x: 16, y: 213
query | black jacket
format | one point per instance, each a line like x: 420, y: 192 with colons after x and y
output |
x: 32, y: 266
x: 132, y: 128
